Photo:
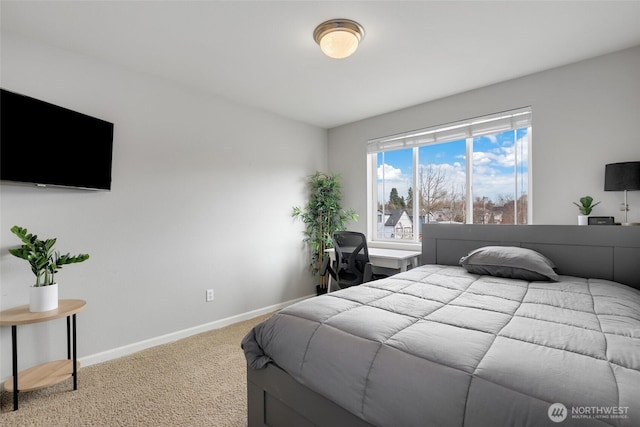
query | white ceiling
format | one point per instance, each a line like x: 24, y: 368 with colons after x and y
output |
x: 262, y: 53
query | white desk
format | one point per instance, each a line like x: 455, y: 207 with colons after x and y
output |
x: 398, y: 259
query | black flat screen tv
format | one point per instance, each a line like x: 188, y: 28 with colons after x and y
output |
x: 48, y: 145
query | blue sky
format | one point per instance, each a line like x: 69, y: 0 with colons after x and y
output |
x: 494, y: 158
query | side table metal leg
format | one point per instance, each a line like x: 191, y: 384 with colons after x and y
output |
x: 14, y: 347
x: 69, y: 337
x: 75, y: 356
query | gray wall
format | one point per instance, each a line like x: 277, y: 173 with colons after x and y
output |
x: 584, y: 116
x: 201, y: 198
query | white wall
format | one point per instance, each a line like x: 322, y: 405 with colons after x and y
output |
x: 201, y: 198
x: 584, y: 116
x: 188, y: 168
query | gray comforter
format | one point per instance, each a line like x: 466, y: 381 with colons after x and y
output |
x: 439, y: 346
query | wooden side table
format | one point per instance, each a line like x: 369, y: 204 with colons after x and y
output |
x: 50, y: 373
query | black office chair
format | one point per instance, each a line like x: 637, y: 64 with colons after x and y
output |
x: 352, y: 265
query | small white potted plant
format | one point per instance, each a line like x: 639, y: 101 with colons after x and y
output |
x: 44, y: 262
x: 586, y: 206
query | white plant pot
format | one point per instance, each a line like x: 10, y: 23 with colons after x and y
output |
x: 583, y: 219
x: 43, y: 298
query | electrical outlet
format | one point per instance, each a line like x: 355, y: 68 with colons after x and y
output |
x: 209, y: 295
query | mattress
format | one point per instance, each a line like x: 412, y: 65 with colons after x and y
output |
x: 440, y: 346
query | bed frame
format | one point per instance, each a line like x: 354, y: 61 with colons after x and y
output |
x: 598, y: 251
x: 604, y: 252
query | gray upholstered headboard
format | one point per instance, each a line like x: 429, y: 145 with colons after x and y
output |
x: 597, y: 251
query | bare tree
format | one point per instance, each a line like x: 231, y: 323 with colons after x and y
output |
x: 432, y: 193
x: 457, y: 202
x: 483, y: 210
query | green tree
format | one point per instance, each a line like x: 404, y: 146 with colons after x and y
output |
x: 323, y: 215
x: 395, y: 201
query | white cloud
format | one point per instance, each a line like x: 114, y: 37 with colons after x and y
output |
x: 389, y: 173
x: 393, y: 178
x: 492, y: 186
x: 489, y: 175
x: 493, y: 174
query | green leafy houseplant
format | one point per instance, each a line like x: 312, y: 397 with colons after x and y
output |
x: 586, y: 205
x: 41, y: 256
x: 323, y: 215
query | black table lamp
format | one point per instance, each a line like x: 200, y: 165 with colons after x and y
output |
x: 623, y: 176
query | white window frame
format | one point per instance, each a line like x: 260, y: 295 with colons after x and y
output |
x: 464, y: 129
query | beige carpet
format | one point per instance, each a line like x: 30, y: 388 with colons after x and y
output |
x: 197, y: 381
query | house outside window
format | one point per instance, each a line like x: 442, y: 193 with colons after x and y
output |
x: 475, y: 171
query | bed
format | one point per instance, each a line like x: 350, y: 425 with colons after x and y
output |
x: 480, y: 344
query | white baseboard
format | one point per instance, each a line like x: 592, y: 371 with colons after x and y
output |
x: 174, y: 336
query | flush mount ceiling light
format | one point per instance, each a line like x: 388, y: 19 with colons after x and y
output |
x: 338, y: 38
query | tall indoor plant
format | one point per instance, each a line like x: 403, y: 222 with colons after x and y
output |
x: 323, y: 215
x: 45, y: 261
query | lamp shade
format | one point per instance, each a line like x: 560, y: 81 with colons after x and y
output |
x: 622, y: 176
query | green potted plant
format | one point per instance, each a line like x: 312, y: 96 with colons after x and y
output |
x: 586, y: 206
x: 323, y: 215
x: 45, y: 263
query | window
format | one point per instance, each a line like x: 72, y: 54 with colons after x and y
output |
x: 474, y: 171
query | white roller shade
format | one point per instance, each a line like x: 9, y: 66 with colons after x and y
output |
x: 493, y: 123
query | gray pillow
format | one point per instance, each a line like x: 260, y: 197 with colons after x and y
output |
x: 510, y: 261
